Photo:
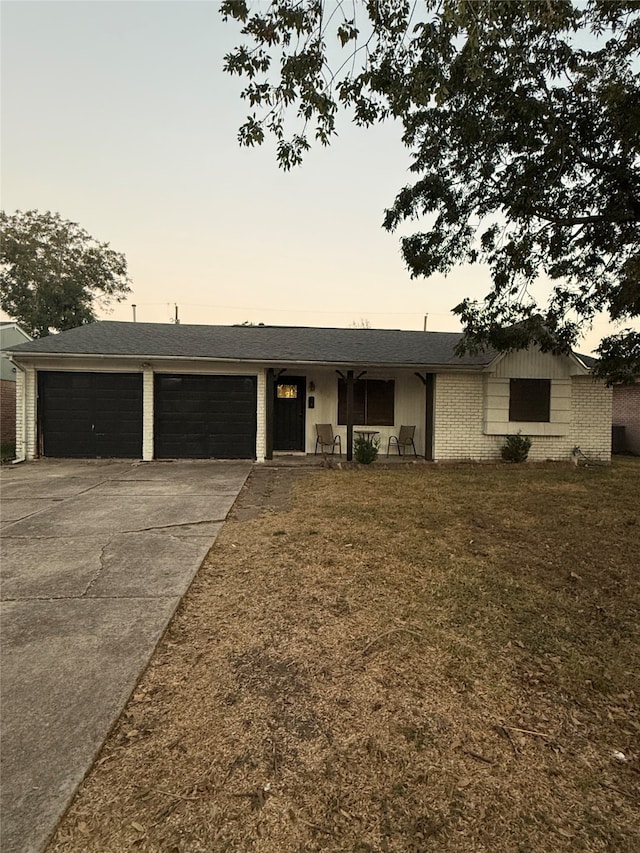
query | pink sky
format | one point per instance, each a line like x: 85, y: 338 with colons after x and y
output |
x: 118, y: 116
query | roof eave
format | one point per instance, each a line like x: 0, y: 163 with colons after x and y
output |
x: 345, y: 365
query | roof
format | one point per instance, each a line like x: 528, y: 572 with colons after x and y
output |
x: 588, y: 360
x: 266, y: 344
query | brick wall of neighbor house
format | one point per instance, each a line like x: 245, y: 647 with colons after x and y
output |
x: 626, y: 412
x: 7, y: 411
x: 459, y: 422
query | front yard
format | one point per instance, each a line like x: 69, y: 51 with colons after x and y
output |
x: 431, y: 658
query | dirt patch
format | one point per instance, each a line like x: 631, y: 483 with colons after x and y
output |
x: 433, y: 659
x: 267, y: 490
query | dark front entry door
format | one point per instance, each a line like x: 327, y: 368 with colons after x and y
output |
x: 288, y: 413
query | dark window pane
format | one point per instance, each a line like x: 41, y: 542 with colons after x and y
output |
x: 373, y: 402
x: 358, y: 402
x: 530, y: 400
x: 380, y: 398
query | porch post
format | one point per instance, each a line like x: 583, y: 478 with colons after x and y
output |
x: 270, y: 385
x: 349, y: 415
x: 429, y: 387
x: 428, y: 380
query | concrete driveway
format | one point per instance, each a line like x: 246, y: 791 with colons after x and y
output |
x: 96, y: 556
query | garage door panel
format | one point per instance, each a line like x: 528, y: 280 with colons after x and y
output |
x: 90, y: 415
x: 205, y: 416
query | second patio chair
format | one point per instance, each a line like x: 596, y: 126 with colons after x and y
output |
x: 403, y: 441
x: 326, y: 438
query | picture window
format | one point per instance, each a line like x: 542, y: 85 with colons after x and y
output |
x: 530, y: 400
x: 373, y: 402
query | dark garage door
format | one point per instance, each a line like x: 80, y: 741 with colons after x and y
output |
x: 90, y: 415
x: 205, y: 417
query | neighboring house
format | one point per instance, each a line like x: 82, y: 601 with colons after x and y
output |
x: 159, y: 391
x: 10, y: 336
x: 626, y: 418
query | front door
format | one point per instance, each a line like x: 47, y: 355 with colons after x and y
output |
x: 288, y: 413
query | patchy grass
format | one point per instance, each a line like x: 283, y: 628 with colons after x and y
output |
x: 440, y: 658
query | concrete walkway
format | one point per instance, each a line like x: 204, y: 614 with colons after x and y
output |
x: 96, y: 556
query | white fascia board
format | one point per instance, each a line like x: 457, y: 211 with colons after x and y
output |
x: 347, y: 365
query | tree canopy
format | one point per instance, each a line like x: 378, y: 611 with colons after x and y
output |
x: 53, y: 274
x: 523, y: 124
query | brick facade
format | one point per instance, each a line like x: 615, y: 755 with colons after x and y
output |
x: 7, y: 411
x: 460, y: 428
x: 626, y: 413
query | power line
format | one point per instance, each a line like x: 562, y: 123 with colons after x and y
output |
x: 254, y: 308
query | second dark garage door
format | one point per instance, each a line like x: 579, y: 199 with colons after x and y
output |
x: 204, y: 417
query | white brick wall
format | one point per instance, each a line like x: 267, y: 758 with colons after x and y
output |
x: 26, y: 433
x: 147, y: 414
x: 20, y: 423
x: 261, y: 432
x: 30, y: 411
x: 460, y: 433
x: 459, y: 419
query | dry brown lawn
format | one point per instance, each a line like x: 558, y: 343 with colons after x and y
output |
x: 429, y: 658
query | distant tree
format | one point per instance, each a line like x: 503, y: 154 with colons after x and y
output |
x: 523, y: 123
x: 53, y: 274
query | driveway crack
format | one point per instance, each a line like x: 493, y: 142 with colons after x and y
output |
x: 174, y: 526
x: 100, y: 568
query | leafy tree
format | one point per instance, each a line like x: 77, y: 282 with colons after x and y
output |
x: 523, y: 125
x: 52, y: 273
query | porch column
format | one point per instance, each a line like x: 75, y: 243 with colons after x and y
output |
x: 429, y: 387
x: 349, y: 415
x: 269, y: 392
x: 428, y: 380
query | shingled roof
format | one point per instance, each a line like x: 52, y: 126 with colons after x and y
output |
x: 263, y: 344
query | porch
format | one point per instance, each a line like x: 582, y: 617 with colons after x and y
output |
x: 324, y: 460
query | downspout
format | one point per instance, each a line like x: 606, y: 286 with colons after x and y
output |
x: 22, y: 458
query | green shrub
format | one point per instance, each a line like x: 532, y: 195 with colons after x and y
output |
x: 516, y: 448
x: 364, y: 450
